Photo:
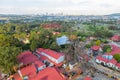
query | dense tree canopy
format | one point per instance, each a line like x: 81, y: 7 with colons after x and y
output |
x: 106, y: 48
x: 100, y: 32
x: 33, y: 45
x: 8, y: 58
x: 117, y: 57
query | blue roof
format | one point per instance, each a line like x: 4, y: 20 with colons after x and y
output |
x: 62, y: 40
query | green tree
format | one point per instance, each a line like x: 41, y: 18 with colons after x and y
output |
x: 117, y: 57
x: 98, y: 42
x: 8, y: 58
x: 106, y: 48
x: 109, y: 50
x: 88, y: 45
x: 9, y: 40
x: 33, y: 45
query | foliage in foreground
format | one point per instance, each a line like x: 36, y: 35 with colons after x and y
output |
x: 117, y: 57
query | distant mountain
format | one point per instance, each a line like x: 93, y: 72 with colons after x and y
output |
x: 13, y: 15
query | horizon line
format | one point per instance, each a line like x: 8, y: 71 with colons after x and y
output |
x: 59, y: 14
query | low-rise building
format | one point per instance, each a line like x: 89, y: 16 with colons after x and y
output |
x: 95, y: 50
x: 115, y: 38
x: 39, y: 65
x: 49, y: 73
x: 53, y: 57
x: 25, y: 73
x: 36, y: 65
x: 30, y: 73
x: 118, y: 66
x: 87, y: 78
x: 101, y: 60
x: 108, y: 61
x: 26, y: 58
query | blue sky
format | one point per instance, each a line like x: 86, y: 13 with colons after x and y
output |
x: 71, y: 7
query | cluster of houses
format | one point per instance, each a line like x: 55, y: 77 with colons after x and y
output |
x: 40, y: 65
x: 51, y: 25
x: 107, y: 59
x: 44, y: 63
x: 116, y: 38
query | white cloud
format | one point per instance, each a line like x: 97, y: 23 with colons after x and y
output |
x: 56, y: 6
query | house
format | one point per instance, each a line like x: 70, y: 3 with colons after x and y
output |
x: 95, y: 50
x: 62, y: 40
x: 29, y: 73
x: 112, y: 63
x: 115, y: 50
x: 87, y: 78
x: 25, y: 73
x: 108, y: 60
x: 101, y: 60
x: 39, y: 65
x: 49, y: 73
x: 26, y: 58
x: 114, y: 47
x: 118, y: 66
x: 51, y: 25
x: 50, y: 57
x: 72, y: 64
x: 116, y: 38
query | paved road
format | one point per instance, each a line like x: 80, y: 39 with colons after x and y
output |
x: 95, y: 74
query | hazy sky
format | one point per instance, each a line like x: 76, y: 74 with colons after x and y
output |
x: 74, y: 7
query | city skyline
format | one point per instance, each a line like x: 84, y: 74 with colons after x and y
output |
x: 67, y: 7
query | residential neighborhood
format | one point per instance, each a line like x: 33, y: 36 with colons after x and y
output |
x: 46, y: 64
x: 59, y: 40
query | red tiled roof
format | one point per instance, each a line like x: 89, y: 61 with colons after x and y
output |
x: 17, y: 76
x: 26, y: 57
x: 46, y: 58
x: 29, y: 70
x: 87, y: 78
x: 115, y: 38
x: 102, y: 59
x: 51, y: 53
x: 51, y: 25
x: 114, y: 47
x: 113, y: 61
x: 115, y: 52
x: 95, y: 47
x: 48, y: 73
x: 38, y: 63
x: 118, y: 65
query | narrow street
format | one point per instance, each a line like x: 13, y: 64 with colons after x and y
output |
x: 104, y: 69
